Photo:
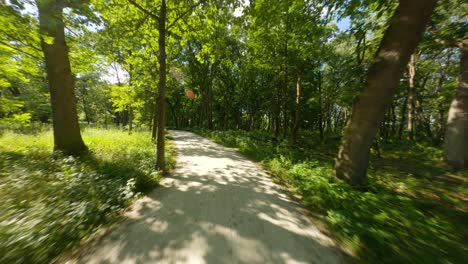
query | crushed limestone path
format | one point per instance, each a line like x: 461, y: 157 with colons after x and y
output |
x: 216, y: 207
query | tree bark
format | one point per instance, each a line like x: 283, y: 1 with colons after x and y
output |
x: 402, y: 118
x: 154, y: 128
x: 320, y: 116
x: 66, y: 129
x: 456, y: 135
x: 297, y: 110
x: 130, y: 120
x: 399, y: 42
x: 161, y: 100
x: 411, y: 98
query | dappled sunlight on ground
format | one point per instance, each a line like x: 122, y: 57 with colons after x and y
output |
x: 216, y: 207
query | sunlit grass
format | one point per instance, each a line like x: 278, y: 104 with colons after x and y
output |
x: 51, y: 203
x: 413, y: 211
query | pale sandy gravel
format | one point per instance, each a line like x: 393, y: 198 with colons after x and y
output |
x: 216, y: 207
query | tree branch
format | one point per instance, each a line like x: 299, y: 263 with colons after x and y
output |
x: 144, y: 10
x: 16, y: 39
x: 185, y: 13
x: 17, y: 49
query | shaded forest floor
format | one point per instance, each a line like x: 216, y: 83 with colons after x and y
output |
x: 50, y: 204
x: 414, y: 210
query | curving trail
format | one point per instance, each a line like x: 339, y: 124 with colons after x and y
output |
x: 216, y: 207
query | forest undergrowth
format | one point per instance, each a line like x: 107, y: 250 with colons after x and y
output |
x: 52, y: 202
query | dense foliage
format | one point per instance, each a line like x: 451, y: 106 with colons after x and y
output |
x: 279, y: 79
x: 283, y: 69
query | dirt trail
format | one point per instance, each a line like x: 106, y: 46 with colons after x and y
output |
x: 216, y: 207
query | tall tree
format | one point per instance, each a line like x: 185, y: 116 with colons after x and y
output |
x: 67, y: 136
x: 161, y: 99
x: 399, y: 42
x: 411, y: 96
x: 456, y: 135
x: 449, y: 30
x: 163, y: 26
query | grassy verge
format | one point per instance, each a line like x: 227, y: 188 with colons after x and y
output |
x: 49, y: 205
x: 414, y: 211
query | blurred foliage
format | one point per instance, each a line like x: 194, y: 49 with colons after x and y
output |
x: 413, y: 211
x: 51, y: 203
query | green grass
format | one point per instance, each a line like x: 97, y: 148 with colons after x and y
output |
x: 413, y: 211
x: 50, y: 204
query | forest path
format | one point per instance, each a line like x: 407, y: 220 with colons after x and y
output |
x: 216, y: 207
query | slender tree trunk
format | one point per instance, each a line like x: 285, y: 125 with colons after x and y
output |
x: 151, y: 119
x: 209, y: 107
x: 320, y: 117
x: 411, y: 104
x: 124, y: 118
x: 285, y: 92
x: 423, y: 124
x: 441, y: 125
x: 277, y: 106
x: 399, y: 42
x: 130, y: 119
x: 161, y: 100
x: 86, y: 112
x: 209, y: 114
x: 154, y: 129
x: 297, y: 110
x: 402, y: 118
x: 277, y: 127
x: 456, y: 135
x: 117, y: 118
x: 393, y: 120
x: 67, y: 136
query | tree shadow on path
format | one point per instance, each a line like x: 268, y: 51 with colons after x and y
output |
x: 217, y: 207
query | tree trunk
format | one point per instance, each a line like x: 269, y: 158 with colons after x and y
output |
x: 320, y: 117
x: 86, y: 112
x: 423, y: 121
x: 285, y: 92
x: 399, y: 42
x: 277, y: 108
x: 456, y: 135
x: 67, y: 136
x: 401, y: 128
x: 130, y: 120
x: 154, y: 129
x: 124, y: 118
x: 393, y: 120
x: 161, y: 100
x: 297, y: 110
x: 209, y: 114
x: 411, y: 104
